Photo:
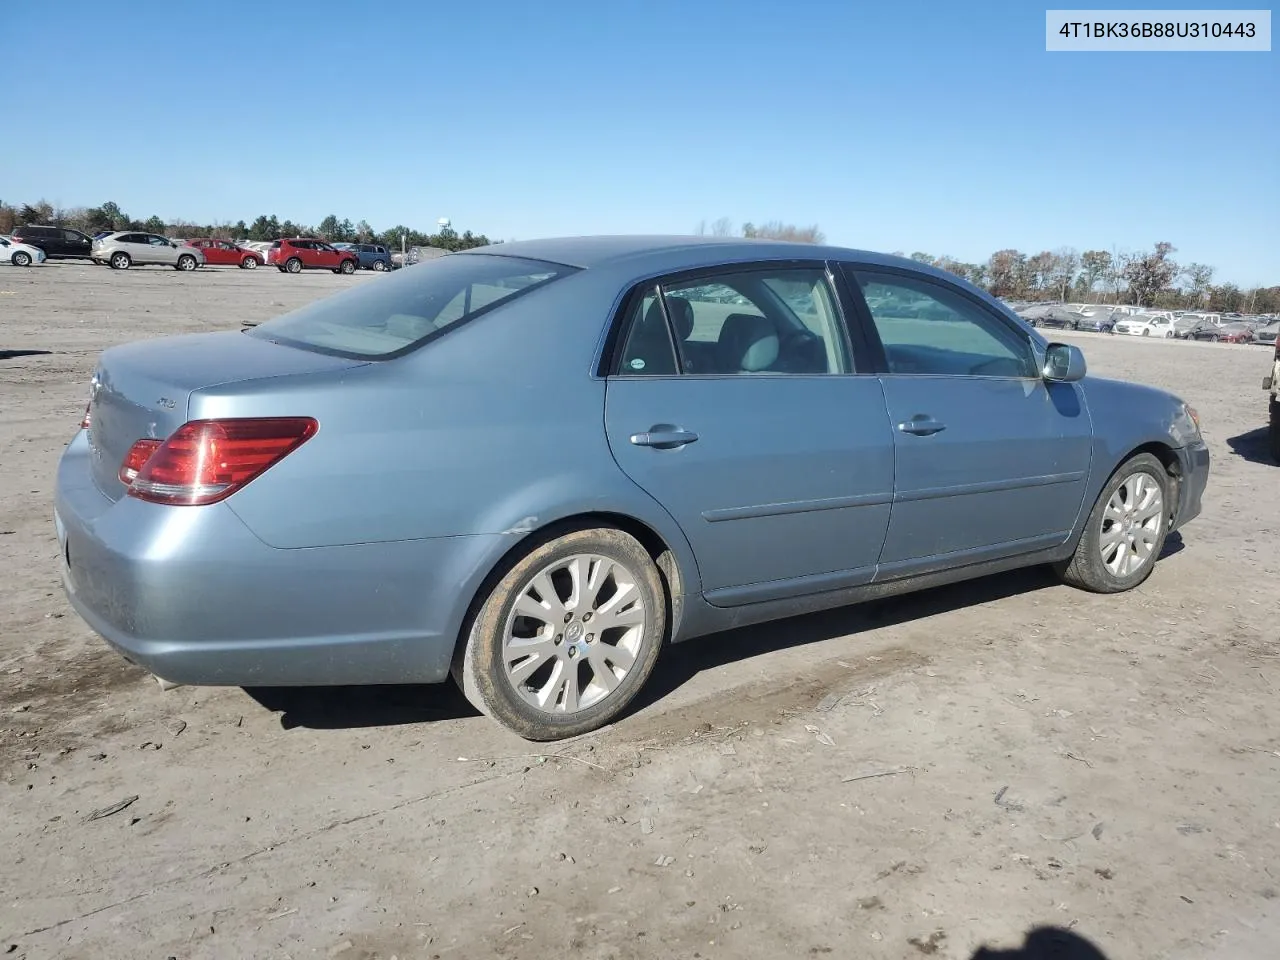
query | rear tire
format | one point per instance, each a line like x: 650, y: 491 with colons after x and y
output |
x: 1146, y: 333
x: 605, y: 611
x: 379, y: 266
x: 1130, y: 516
x: 21, y: 258
x: 120, y: 261
x: 293, y: 265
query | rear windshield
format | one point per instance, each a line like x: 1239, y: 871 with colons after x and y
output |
x: 389, y: 317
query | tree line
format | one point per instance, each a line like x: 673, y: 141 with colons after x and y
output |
x: 1149, y: 278
x: 109, y: 216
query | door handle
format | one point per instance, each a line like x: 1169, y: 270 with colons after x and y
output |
x: 663, y: 437
x: 922, y: 426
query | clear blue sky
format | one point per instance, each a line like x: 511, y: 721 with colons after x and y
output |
x: 899, y: 125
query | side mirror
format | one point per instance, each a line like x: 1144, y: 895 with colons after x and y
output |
x: 1063, y: 363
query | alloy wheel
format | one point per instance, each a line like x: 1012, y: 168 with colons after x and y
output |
x: 574, y: 633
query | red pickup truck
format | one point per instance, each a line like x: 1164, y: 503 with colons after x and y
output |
x: 305, y: 253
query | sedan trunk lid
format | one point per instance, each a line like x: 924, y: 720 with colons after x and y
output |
x: 142, y: 390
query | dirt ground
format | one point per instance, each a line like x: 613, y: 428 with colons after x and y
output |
x: 922, y: 776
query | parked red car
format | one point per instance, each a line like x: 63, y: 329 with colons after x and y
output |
x: 225, y: 253
x: 305, y: 253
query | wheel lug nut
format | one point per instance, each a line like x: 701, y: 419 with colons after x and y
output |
x: 591, y: 637
x: 568, y: 617
x: 573, y: 652
x: 586, y: 616
x: 559, y: 637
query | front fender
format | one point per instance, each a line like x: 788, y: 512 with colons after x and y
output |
x: 1126, y: 417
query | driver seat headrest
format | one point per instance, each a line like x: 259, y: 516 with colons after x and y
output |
x: 748, y: 343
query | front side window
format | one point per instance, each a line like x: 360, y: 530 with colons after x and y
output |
x: 927, y: 328
x: 780, y: 320
x: 378, y: 321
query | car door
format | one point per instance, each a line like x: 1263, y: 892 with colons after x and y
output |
x: 325, y: 256
x: 750, y: 427
x: 73, y: 243
x: 990, y: 459
x: 161, y: 250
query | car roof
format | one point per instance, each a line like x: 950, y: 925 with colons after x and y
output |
x: 600, y: 251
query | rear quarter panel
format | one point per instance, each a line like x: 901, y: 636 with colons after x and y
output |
x: 496, y: 428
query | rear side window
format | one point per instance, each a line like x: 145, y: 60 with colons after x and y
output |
x: 387, y: 319
x: 774, y: 320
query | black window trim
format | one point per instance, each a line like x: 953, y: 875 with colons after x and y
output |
x: 610, y: 353
x: 871, y: 334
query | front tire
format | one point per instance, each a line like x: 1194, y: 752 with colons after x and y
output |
x: 186, y: 262
x: 347, y: 268
x: 21, y: 258
x: 119, y: 261
x: 249, y: 263
x: 1125, y: 531
x: 567, y: 637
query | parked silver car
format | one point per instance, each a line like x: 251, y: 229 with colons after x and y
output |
x: 123, y: 249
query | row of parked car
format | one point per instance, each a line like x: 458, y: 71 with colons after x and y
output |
x: 122, y: 249
x: 1139, y: 322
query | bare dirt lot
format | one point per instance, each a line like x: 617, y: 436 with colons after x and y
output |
x: 921, y: 776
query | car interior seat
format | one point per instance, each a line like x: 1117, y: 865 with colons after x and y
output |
x: 748, y: 343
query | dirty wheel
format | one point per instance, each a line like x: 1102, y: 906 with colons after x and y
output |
x: 1125, y: 531
x: 567, y: 637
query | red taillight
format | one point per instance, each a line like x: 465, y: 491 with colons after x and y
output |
x: 205, y: 461
x: 136, y: 459
x: 84, y: 421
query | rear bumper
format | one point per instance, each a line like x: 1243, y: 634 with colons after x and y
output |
x: 191, y: 594
x: 1194, y: 461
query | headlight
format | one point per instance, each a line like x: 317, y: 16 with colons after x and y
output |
x: 1186, y: 426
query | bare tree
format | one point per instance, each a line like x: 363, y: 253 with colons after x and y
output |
x: 1006, y: 273
x: 722, y: 228
x: 1150, y: 274
x: 1198, y: 277
x: 1064, y: 263
x: 1096, y: 266
x: 777, y: 230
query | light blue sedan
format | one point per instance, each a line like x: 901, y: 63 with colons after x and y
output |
x: 535, y: 464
